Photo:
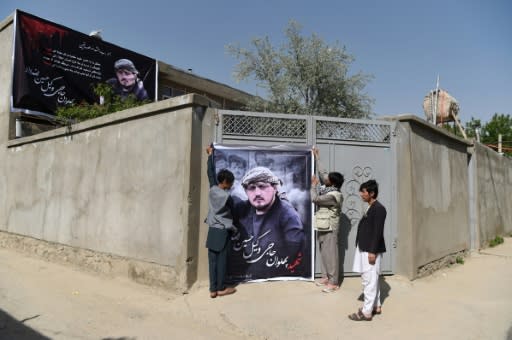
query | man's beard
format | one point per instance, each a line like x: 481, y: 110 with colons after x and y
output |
x: 127, y: 88
x: 264, y: 208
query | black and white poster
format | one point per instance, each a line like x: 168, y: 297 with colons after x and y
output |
x: 272, y: 212
x: 56, y: 66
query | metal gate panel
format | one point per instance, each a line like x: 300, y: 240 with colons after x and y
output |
x: 359, y: 163
x: 359, y: 149
x: 261, y: 128
x: 356, y: 130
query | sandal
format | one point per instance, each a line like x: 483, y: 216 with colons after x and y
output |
x: 359, y: 316
x: 321, y: 283
x: 375, y: 311
x: 330, y: 289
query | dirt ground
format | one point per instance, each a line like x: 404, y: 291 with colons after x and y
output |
x: 43, y: 300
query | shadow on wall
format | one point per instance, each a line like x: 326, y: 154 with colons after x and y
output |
x: 10, y: 328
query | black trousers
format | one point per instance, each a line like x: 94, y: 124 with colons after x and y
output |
x: 217, y: 263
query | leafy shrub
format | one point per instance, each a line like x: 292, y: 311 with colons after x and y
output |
x: 497, y: 240
x: 111, y: 103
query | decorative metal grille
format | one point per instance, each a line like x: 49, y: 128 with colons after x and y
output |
x: 365, y: 132
x: 263, y: 126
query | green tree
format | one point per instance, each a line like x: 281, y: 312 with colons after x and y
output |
x: 499, y: 124
x: 472, y: 126
x: 304, y: 75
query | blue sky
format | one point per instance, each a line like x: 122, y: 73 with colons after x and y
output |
x: 404, y: 44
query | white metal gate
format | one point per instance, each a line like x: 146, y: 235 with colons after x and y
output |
x: 359, y: 149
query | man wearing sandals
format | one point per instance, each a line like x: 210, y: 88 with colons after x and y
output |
x: 328, y: 199
x: 369, y: 248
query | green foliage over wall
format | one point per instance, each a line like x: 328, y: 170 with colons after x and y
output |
x: 84, y: 111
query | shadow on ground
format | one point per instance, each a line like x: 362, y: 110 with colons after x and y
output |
x: 384, y: 290
x: 10, y: 328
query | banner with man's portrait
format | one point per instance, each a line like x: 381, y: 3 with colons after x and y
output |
x: 57, y: 66
x: 272, y: 211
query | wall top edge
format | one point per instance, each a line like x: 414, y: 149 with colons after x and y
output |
x: 6, y: 22
x: 160, y: 107
x: 411, y: 118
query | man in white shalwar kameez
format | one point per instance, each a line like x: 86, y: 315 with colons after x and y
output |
x: 369, y: 248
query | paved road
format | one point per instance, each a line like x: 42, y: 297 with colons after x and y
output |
x: 42, y: 300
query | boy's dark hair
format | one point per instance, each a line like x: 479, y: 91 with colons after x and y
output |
x: 225, y: 175
x: 370, y: 186
x: 336, y: 179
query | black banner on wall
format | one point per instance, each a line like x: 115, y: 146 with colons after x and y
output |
x: 55, y: 66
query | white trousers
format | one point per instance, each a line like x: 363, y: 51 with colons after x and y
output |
x: 369, y: 279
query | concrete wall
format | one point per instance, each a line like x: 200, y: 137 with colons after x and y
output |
x: 210, y: 121
x: 6, y: 36
x: 127, y: 184
x: 433, y: 216
x: 493, y: 191
x: 405, y: 241
x: 124, y: 184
